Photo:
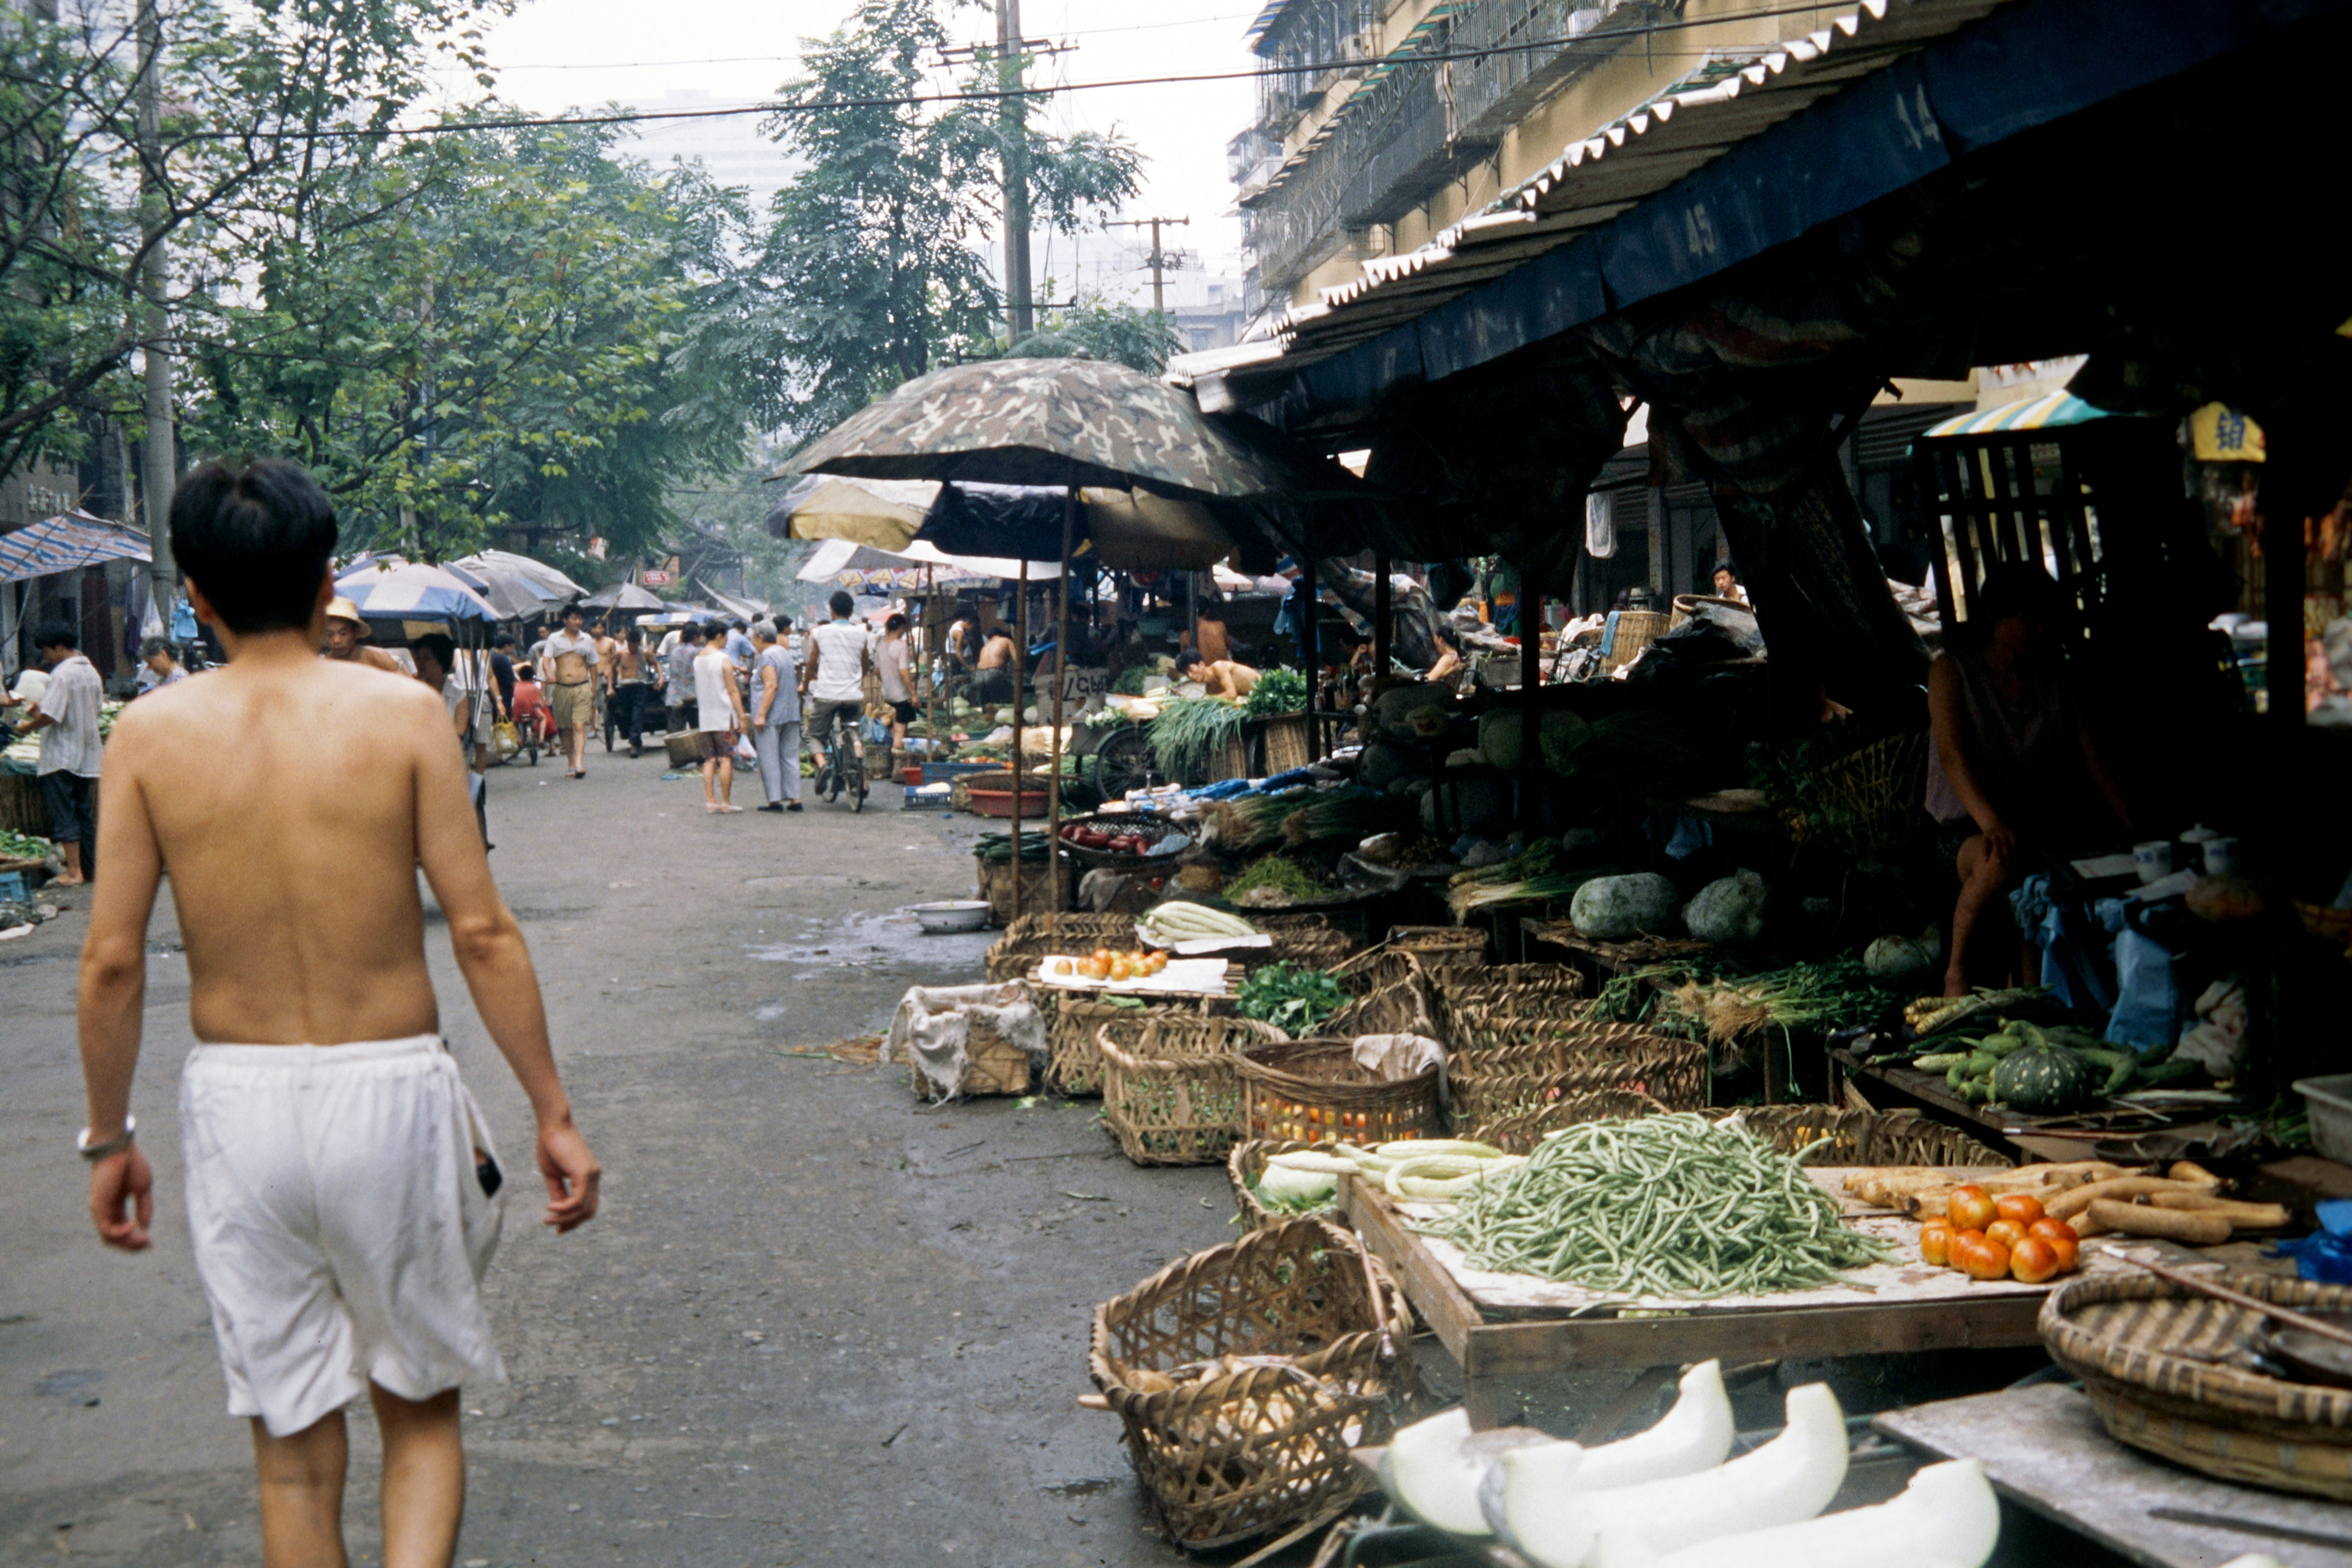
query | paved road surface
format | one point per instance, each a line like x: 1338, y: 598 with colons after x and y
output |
x: 812, y: 1324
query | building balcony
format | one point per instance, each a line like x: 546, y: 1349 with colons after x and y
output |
x: 1419, y: 128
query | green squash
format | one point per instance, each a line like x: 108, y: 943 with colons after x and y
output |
x: 2043, y: 1078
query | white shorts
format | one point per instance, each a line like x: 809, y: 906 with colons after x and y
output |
x: 340, y: 1223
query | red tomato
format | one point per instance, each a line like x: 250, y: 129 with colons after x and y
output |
x: 1988, y: 1259
x: 2062, y: 1239
x: 2023, y: 1208
x: 2033, y: 1260
x: 1970, y: 1208
x: 1936, y: 1243
x: 2007, y: 1232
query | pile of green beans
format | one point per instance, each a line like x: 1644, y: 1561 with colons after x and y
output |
x: 1670, y: 1207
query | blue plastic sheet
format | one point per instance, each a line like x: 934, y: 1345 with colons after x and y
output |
x: 2148, y: 1001
x: 2326, y: 1255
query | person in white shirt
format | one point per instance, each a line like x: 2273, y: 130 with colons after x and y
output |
x: 834, y: 677
x: 67, y: 719
x: 719, y: 707
x: 569, y: 671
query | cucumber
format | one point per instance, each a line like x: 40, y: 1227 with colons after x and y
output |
x: 1940, y: 1061
x: 2121, y: 1065
x: 2158, y: 1073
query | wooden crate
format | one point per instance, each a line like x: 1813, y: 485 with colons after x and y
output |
x: 22, y: 809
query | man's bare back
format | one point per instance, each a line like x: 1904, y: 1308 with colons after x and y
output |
x: 284, y: 799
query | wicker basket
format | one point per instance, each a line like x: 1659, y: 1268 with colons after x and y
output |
x: 1171, y: 1095
x: 1045, y: 887
x: 1316, y: 1089
x: 1249, y: 1449
x: 1687, y: 605
x: 2167, y: 1372
x: 1441, y: 947
x: 992, y: 1066
x: 1401, y: 1008
x: 1636, y: 629
x: 23, y: 807
x: 1289, y: 742
x: 1866, y: 1137
x: 1299, y: 939
x: 1246, y: 1164
x: 1074, y: 1066
x: 1493, y: 1074
x: 1035, y: 936
x: 1868, y: 798
x: 1496, y: 995
x: 1520, y: 1131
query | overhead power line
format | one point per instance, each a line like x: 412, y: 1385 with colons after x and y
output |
x: 981, y: 95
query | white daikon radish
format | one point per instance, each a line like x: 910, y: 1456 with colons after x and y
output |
x: 1790, y: 1478
x: 1695, y: 1436
x: 1286, y: 1184
x: 1947, y: 1518
x: 1435, y: 1467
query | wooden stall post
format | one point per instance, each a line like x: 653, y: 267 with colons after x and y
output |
x: 1530, y: 705
x: 934, y: 644
x: 1383, y: 612
x: 1019, y: 652
x: 1310, y: 652
x: 1061, y: 684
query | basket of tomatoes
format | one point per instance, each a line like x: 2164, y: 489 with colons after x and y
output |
x: 2003, y: 1237
x: 1118, y: 843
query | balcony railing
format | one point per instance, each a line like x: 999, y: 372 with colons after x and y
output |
x: 1422, y: 125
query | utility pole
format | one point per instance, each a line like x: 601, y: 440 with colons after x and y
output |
x: 1159, y: 258
x: 1013, y: 124
x: 159, y: 469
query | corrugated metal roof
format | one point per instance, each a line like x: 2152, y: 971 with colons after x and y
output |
x: 1728, y: 98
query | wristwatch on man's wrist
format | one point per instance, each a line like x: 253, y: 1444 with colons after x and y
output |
x: 114, y: 1145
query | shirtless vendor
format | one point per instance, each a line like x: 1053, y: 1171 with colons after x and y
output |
x: 341, y: 1185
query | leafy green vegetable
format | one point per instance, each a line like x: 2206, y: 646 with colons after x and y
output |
x: 1276, y: 691
x: 1134, y: 680
x: 1291, y: 996
x: 1280, y: 873
x: 1192, y: 733
x: 24, y: 846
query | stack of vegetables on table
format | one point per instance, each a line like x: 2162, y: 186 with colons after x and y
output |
x: 1305, y: 1181
x: 1674, y: 1207
x: 17, y: 846
x: 1674, y: 1496
x: 1177, y: 921
x: 1982, y: 1223
x: 2023, y: 1066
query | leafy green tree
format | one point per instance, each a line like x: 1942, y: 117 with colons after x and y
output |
x: 242, y: 86
x: 1104, y: 329
x: 484, y: 333
x: 871, y: 275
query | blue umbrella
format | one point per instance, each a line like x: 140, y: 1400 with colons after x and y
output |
x: 387, y: 590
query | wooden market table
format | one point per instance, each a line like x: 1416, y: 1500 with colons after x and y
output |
x: 2137, y: 1137
x: 1498, y: 1326
x: 2045, y: 1449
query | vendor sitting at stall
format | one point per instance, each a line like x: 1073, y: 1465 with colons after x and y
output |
x: 2013, y: 770
x: 1448, y: 669
x: 1222, y: 677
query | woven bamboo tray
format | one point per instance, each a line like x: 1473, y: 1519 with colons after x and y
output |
x: 1518, y: 1132
x: 1073, y: 1064
x: 992, y: 1066
x: 1171, y: 1095
x: 1315, y: 1089
x: 1441, y: 947
x: 1246, y: 1450
x: 1246, y: 1163
x: 1033, y: 936
x: 1866, y: 1137
x: 2167, y: 1372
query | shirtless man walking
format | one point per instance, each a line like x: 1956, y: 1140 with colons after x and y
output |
x: 569, y: 671
x: 341, y: 1185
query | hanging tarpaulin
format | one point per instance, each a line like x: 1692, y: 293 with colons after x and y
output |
x: 68, y: 543
x: 1135, y: 531
x: 1601, y: 524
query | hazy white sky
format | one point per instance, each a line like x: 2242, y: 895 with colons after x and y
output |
x: 558, y: 54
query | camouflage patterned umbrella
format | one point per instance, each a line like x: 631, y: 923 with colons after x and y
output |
x: 1041, y: 422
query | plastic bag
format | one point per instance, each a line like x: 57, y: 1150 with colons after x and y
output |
x: 506, y: 738
x: 2326, y: 1255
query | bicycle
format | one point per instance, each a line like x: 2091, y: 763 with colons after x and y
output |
x: 832, y: 782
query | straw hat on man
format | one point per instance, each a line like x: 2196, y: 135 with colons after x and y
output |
x: 346, y: 632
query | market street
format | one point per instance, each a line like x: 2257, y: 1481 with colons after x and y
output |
x: 809, y: 1322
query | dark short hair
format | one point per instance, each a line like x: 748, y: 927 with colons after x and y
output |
x: 56, y: 634
x: 257, y: 540
x: 636, y: 635
x: 711, y: 631
x: 896, y: 623
x: 443, y: 648
x: 738, y: 625
x: 1726, y: 567
x: 154, y: 645
x: 572, y: 610
x: 840, y: 604
x: 502, y: 639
